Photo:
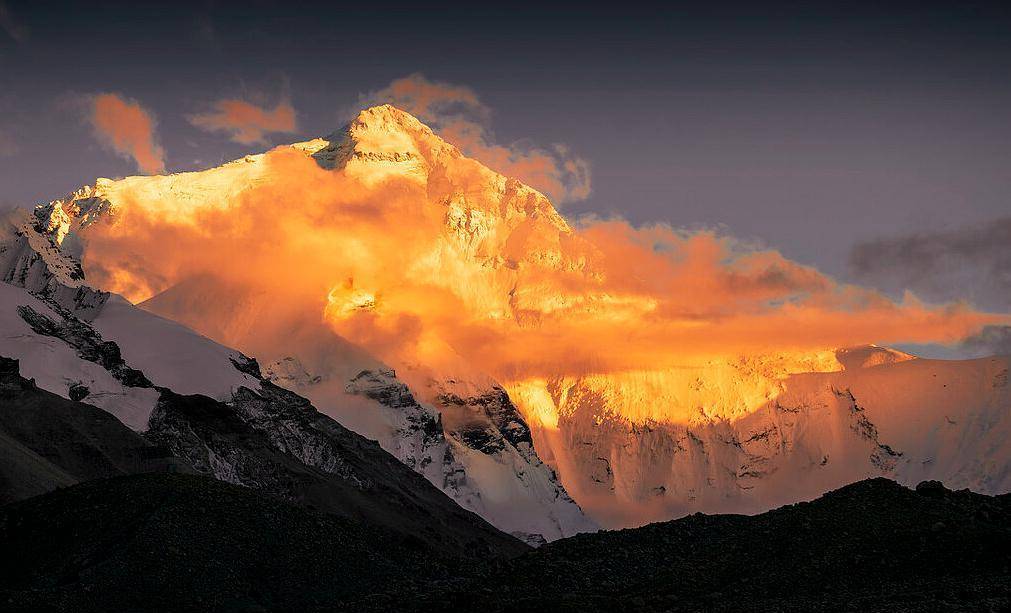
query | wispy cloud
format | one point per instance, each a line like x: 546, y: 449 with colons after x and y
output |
x: 246, y: 123
x: 991, y: 340
x: 972, y: 263
x: 128, y: 129
x: 458, y: 114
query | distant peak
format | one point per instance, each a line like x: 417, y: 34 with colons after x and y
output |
x: 866, y: 356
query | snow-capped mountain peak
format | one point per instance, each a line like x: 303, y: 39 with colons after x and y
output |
x: 380, y: 264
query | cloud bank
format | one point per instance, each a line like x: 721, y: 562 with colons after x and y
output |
x: 410, y: 271
x: 991, y: 340
x: 246, y: 123
x: 459, y: 116
x: 127, y: 128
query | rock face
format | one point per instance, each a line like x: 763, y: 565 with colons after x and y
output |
x: 86, y: 341
x: 418, y: 439
x: 32, y: 256
x: 274, y: 441
x: 510, y: 430
x: 476, y: 448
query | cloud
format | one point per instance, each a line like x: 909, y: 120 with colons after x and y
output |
x: 430, y: 100
x: 991, y: 340
x: 459, y: 116
x: 419, y: 276
x: 9, y: 24
x: 972, y: 263
x: 246, y: 123
x: 128, y: 129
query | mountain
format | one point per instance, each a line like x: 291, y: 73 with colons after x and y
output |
x: 165, y: 390
x: 451, y: 314
x: 460, y: 430
x: 161, y: 542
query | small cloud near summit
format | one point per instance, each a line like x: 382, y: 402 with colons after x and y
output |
x: 127, y: 128
x: 246, y: 123
x: 457, y: 113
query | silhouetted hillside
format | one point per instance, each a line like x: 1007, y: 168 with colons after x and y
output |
x: 164, y: 542
x: 871, y: 546
x: 171, y: 542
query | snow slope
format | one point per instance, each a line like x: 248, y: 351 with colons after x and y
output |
x: 56, y: 366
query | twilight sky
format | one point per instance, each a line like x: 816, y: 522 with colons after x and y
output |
x: 874, y: 143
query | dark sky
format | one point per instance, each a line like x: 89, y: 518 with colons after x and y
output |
x: 822, y: 129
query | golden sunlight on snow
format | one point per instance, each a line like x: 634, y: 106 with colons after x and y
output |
x: 710, y: 389
x: 473, y: 271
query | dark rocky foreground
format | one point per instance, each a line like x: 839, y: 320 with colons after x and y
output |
x: 47, y: 441
x: 169, y: 542
x: 172, y: 542
x: 870, y: 546
x: 327, y: 521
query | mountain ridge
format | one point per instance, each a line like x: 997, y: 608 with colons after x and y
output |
x: 496, y: 260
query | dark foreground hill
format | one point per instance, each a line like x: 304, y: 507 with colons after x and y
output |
x: 163, y: 542
x: 871, y: 546
x: 171, y: 542
x: 47, y: 441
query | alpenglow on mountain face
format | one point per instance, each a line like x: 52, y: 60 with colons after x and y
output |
x: 450, y: 313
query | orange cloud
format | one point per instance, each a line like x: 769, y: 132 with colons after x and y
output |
x: 247, y: 123
x: 430, y: 101
x: 128, y: 129
x: 392, y: 265
x: 460, y: 117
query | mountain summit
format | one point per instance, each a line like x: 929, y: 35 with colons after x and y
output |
x: 450, y: 313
